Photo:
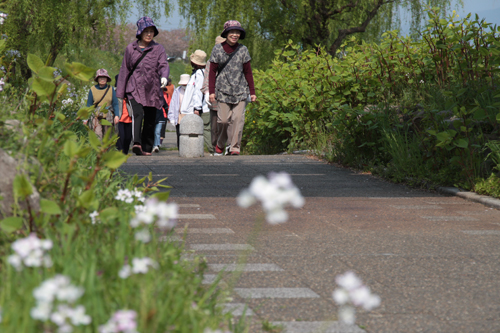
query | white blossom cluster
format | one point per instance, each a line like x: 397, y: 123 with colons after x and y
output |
x: 67, y: 101
x: 353, y: 293
x: 3, y: 16
x: 2, y: 83
x: 30, y: 252
x: 164, y: 214
x: 93, y: 216
x: 129, y: 196
x: 139, y: 266
x: 59, y: 290
x: 121, y: 321
x: 275, y: 193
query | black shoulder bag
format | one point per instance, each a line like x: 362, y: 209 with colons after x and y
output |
x: 221, y: 67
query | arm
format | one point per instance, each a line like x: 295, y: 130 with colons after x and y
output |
x: 122, y: 77
x: 197, y: 94
x: 247, y: 70
x: 211, y: 81
x: 116, y: 105
x: 174, y: 107
x: 163, y: 67
x: 90, y: 98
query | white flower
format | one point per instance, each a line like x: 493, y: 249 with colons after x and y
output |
x: 422, y: 81
x: 347, y: 314
x: 125, y: 272
x: 275, y: 193
x: 16, y: 261
x: 140, y: 265
x: 30, y: 251
x: 69, y: 293
x: 349, y: 281
x: 94, y: 216
x: 41, y: 311
x: 165, y: 214
x: 121, y: 321
x: 372, y: 302
x: 340, y: 296
x: 143, y: 236
x: 78, y: 316
x: 360, y: 295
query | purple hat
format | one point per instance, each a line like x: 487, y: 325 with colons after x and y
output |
x: 233, y: 25
x: 102, y: 72
x: 143, y: 23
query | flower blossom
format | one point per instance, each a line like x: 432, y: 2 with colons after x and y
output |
x: 353, y: 293
x: 65, y: 102
x: 121, y: 321
x: 54, y: 299
x: 161, y: 213
x: 93, y: 216
x: 139, y: 266
x: 30, y: 251
x: 129, y: 196
x: 3, y: 16
x: 275, y: 193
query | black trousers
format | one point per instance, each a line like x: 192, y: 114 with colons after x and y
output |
x: 124, y: 137
x: 177, y: 131
x: 144, y: 123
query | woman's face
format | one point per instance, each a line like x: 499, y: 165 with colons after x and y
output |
x: 233, y: 36
x: 102, y: 80
x: 148, y: 34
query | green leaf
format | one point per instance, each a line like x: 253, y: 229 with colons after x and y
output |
x: 22, y: 187
x: 462, y: 143
x: 84, y: 113
x: 479, y: 114
x: 46, y: 73
x: 114, y: 159
x: 108, y: 213
x: 34, y: 62
x: 498, y: 117
x: 70, y: 148
x: 85, y: 199
x: 94, y: 140
x: 80, y: 71
x: 104, y: 122
x: 150, y: 176
x: 42, y: 87
x: 11, y: 224
x: 161, y: 196
x: 49, y: 207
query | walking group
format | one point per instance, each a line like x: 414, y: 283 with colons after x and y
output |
x: 144, y: 98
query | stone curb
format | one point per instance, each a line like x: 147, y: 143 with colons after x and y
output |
x: 471, y: 196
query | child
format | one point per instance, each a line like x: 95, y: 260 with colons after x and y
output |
x: 194, y: 102
x: 176, y: 102
x: 168, y: 91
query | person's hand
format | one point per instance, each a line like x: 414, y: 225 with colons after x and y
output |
x: 211, y: 98
x: 196, y: 112
x: 253, y: 98
x: 116, y: 120
x: 164, y: 82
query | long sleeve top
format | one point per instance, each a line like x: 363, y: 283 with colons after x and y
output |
x: 193, y: 97
x: 114, y: 100
x: 144, y: 84
x: 175, y: 105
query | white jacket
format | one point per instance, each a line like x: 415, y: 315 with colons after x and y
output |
x: 174, y: 108
x: 193, y: 97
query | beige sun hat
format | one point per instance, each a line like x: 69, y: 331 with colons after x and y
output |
x: 184, y: 79
x: 199, y: 57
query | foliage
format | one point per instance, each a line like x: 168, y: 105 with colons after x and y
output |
x: 77, y: 178
x: 48, y: 27
x: 307, y: 23
x: 420, y: 109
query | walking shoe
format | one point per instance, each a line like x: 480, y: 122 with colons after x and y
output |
x: 137, y: 149
x: 145, y: 153
x: 156, y: 149
x: 234, y: 153
x: 218, y: 151
x: 227, y: 150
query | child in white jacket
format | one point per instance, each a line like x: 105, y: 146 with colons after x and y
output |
x: 194, y: 101
x: 175, y: 104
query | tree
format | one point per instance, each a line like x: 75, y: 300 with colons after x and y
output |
x: 271, y: 23
x: 48, y: 27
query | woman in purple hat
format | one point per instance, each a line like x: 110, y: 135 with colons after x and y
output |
x: 100, y: 95
x: 230, y: 83
x: 143, y: 73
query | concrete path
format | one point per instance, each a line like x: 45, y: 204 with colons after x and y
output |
x: 434, y: 260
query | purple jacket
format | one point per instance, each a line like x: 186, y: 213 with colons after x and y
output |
x: 144, y: 84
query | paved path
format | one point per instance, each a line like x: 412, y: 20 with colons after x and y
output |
x: 434, y: 260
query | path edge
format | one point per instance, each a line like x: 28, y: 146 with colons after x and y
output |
x: 471, y: 196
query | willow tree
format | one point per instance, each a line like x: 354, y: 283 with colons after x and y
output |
x: 270, y: 23
x: 48, y: 27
